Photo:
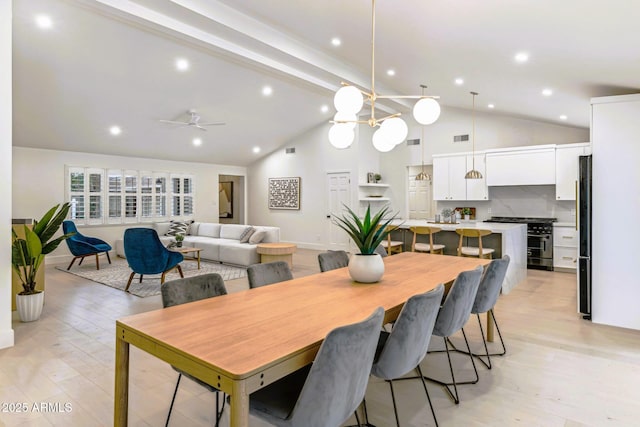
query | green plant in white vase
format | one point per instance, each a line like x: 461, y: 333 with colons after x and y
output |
x: 446, y: 214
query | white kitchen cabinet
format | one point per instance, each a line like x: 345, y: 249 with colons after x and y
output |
x: 565, y: 248
x: 449, y: 182
x: 522, y: 166
x: 567, y: 169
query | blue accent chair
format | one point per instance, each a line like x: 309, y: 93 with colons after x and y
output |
x: 147, y: 255
x: 82, y: 246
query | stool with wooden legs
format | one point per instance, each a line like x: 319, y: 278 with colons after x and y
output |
x: 472, y: 251
x: 430, y: 247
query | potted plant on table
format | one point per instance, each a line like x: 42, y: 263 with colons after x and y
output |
x: 179, y: 239
x: 367, y: 234
x: 27, y: 255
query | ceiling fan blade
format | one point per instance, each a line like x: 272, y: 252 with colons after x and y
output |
x: 171, y: 122
x: 200, y: 127
x: 212, y: 124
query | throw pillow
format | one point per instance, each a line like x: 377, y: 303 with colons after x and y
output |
x: 257, y: 237
x: 244, y: 237
x: 178, y: 227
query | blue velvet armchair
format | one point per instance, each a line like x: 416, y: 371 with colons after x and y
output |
x: 82, y: 246
x: 147, y: 255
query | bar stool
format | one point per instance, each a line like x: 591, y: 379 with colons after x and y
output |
x: 472, y: 251
x: 392, y: 246
x: 431, y: 247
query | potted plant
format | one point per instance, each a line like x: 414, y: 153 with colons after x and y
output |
x: 446, y: 215
x: 367, y: 234
x: 27, y: 255
x: 467, y: 213
x: 377, y: 177
x: 179, y: 238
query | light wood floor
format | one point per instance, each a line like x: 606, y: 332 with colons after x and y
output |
x: 559, y: 370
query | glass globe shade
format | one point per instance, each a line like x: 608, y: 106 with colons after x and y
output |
x: 382, y: 142
x: 396, y: 129
x: 348, y: 99
x: 342, y: 116
x: 341, y: 135
x: 426, y: 111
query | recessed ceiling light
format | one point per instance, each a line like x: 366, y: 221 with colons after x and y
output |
x: 197, y: 142
x: 324, y: 108
x: 182, y: 64
x: 491, y: 106
x: 44, y: 21
x: 547, y: 92
x: 267, y: 91
x: 115, y: 130
x: 336, y: 41
x: 522, y: 57
x: 563, y: 117
x: 256, y: 150
x: 391, y: 72
x: 459, y: 81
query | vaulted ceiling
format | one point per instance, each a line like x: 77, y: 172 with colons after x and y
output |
x: 112, y: 62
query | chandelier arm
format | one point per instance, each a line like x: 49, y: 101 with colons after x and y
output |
x: 406, y: 96
x: 360, y: 122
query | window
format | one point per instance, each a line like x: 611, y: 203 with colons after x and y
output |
x: 114, y: 196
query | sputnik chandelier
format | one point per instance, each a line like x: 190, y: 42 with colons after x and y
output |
x: 392, y: 131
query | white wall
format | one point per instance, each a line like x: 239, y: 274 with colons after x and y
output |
x: 6, y: 333
x: 39, y: 183
x: 315, y: 157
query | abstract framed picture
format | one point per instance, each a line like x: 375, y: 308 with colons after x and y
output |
x: 284, y: 193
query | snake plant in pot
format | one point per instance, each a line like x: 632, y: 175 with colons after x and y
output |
x: 367, y: 234
x: 27, y: 256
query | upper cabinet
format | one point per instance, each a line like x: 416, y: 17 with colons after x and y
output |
x: 449, y: 182
x: 567, y: 168
x: 534, y: 165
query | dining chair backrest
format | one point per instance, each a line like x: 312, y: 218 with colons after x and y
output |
x: 408, y: 342
x: 474, y: 233
x: 182, y: 291
x: 490, y: 285
x: 456, y: 308
x: 268, y: 273
x: 380, y: 250
x: 338, y: 378
x: 332, y: 260
x: 424, y: 230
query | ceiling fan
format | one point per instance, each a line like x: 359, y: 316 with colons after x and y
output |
x: 194, y: 121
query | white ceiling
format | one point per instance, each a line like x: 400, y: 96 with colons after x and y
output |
x: 111, y: 62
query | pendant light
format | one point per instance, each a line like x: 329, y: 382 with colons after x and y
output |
x: 473, y: 173
x: 422, y: 176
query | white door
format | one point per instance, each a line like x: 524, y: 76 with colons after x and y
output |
x: 338, y: 195
x: 420, y: 198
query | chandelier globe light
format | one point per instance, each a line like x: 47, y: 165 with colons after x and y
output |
x: 392, y: 130
x: 473, y: 173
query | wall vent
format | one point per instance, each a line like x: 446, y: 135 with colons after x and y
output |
x: 291, y: 150
x: 461, y: 138
x: 413, y: 141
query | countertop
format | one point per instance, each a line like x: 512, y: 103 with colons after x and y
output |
x: 495, y: 227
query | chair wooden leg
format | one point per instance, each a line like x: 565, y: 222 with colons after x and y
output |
x: 140, y: 279
x: 180, y: 271
x: 108, y: 258
x: 81, y: 259
x: 126, y: 289
x: 72, y: 261
x: 164, y: 273
x: 97, y: 262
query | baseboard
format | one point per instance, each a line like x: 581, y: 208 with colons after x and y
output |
x: 7, y: 338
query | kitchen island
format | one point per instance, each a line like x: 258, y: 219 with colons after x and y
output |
x: 507, y: 239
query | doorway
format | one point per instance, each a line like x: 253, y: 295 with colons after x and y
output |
x: 231, y: 193
x: 338, y: 195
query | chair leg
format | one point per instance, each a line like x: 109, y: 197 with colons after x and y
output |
x: 81, y: 259
x: 72, y: 261
x: 486, y: 354
x: 219, y: 413
x: 180, y: 271
x: 97, y: 262
x: 140, y: 281
x: 428, y: 397
x: 108, y: 257
x: 393, y: 399
x: 126, y: 289
x: 173, y: 399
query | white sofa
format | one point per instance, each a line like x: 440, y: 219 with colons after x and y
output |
x: 219, y: 242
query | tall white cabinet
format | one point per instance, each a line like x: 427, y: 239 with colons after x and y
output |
x: 615, y: 138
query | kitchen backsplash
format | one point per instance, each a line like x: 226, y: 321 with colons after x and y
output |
x: 524, y: 201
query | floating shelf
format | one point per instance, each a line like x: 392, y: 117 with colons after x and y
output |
x: 374, y: 199
x: 375, y: 185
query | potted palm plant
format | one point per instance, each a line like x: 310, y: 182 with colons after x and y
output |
x: 27, y: 255
x: 367, y: 234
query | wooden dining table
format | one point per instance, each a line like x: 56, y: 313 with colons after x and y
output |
x: 243, y: 341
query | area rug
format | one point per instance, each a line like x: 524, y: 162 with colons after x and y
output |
x: 117, y: 274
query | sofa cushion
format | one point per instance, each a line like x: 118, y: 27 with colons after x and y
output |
x: 232, y: 231
x: 208, y: 229
x: 257, y: 237
x: 178, y: 227
x: 162, y: 228
x: 193, y: 230
x: 244, y: 238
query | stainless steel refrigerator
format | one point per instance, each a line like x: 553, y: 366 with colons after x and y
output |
x: 584, y: 234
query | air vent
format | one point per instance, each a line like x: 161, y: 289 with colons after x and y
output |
x: 413, y: 141
x: 461, y: 138
x: 291, y: 150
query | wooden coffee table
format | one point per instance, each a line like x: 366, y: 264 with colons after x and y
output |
x: 280, y: 251
x: 185, y: 250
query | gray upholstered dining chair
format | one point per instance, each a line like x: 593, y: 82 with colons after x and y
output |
x: 191, y: 289
x: 380, y: 250
x: 332, y: 260
x: 486, y: 298
x: 402, y: 350
x: 327, y: 392
x: 453, y: 315
x: 268, y: 273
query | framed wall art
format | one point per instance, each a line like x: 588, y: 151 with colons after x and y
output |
x: 284, y: 193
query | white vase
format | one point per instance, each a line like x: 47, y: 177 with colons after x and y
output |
x: 30, y: 306
x: 366, y: 268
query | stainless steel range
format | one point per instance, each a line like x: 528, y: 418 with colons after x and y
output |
x: 539, y: 240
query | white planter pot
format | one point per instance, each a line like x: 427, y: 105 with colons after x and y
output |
x: 366, y: 268
x: 30, y: 306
